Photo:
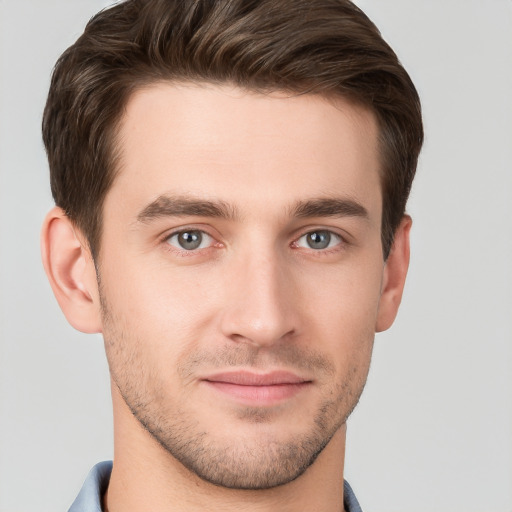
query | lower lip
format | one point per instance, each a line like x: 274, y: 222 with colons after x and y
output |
x: 259, y: 395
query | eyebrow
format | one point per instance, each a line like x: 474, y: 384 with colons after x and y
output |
x: 329, y: 207
x: 177, y: 206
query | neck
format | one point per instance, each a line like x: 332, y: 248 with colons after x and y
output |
x: 146, y: 477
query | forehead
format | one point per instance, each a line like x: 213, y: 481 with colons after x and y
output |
x: 226, y: 143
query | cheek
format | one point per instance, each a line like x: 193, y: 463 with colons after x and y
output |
x: 163, y: 308
x: 344, y: 309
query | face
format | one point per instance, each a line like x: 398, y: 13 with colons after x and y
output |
x: 240, y: 275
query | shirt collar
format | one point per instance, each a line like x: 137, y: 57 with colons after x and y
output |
x: 96, y: 483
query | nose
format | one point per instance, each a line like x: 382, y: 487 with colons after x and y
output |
x: 261, y: 308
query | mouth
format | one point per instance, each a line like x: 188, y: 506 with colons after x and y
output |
x: 257, y: 389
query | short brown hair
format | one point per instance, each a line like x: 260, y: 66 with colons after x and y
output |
x: 302, y: 46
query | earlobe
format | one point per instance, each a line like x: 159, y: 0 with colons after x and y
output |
x: 70, y: 269
x: 395, y: 272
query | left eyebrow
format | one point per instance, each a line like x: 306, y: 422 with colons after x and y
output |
x: 329, y: 207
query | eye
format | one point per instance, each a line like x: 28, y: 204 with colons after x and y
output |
x: 319, y: 239
x: 190, y: 240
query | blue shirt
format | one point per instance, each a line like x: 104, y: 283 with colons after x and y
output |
x: 89, y: 498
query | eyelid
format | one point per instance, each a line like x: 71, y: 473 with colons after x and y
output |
x: 203, y: 228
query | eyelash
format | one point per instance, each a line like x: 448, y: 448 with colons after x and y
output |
x: 341, y: 242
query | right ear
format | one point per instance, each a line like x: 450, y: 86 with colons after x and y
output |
x: 70, y: 269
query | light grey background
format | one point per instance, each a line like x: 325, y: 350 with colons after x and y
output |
x: 433, y: 432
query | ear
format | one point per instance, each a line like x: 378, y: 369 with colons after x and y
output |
x: 395, y: 271
x: 70, y: 269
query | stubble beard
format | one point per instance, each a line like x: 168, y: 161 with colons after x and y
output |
x: 239, y: 462
x: 229, y: 461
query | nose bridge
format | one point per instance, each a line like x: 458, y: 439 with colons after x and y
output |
x: 260, y: 309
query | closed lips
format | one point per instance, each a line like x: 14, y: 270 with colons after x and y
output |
x: 244, y: 378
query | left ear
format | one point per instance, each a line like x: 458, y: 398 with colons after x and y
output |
x: 393, y: 281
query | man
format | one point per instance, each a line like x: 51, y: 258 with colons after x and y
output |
x: 230, y: 180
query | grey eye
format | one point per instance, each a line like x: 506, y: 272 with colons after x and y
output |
x: 190, y: 240
x: 319, y: 239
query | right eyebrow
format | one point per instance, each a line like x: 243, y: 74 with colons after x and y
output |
x: 180, y: 206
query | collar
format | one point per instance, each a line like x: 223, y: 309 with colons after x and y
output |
x: 96, y: 483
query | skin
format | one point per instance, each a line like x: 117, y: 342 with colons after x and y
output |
x: 258, y: 177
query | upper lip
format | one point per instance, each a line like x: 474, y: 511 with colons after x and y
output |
x: 248, y: 378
